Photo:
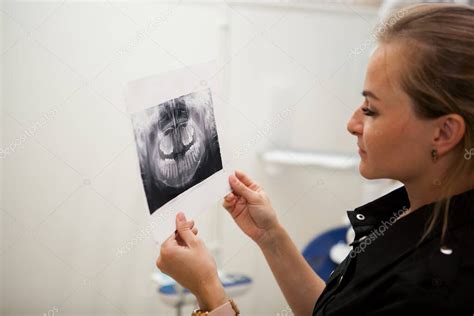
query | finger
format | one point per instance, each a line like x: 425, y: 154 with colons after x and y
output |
x: 229, y: 205
x: 190, y: 224
x: 241, y: 189
x: 229, y: 201
x: 193, y: 229
x: 245, y: 179
x: 184, y: 229
x: 229, y: 197
x: 171, y: 240
x: 178, y: 238
x: 168, y: 240
x: 172, y: 243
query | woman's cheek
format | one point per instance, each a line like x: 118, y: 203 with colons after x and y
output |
x: 376, y: 136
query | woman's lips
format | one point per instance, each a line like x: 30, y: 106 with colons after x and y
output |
x: 361, y: 152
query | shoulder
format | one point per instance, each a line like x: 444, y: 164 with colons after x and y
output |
x: 438, y: 276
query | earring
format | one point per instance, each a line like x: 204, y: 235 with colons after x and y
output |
x: 434, y: 155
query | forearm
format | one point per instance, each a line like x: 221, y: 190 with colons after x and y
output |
x: 300, y: 285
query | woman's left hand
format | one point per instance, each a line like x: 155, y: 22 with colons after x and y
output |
x: 185, y: 258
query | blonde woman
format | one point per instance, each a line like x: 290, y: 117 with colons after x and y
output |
x: 414, y: 247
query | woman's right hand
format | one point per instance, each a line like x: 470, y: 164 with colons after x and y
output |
x: 250, y: 207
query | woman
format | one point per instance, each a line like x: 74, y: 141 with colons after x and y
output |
x: 414, y: 247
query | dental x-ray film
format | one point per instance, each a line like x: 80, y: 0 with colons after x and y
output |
x: 177, y: 146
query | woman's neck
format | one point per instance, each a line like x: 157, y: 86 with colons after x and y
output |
x: 427, y: 192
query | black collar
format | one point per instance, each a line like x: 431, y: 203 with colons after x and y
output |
x: 369, y: 216
x: 387, y: 208
x: 384, y: 242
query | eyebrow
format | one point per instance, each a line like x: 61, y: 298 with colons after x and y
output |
x: 366, y: 94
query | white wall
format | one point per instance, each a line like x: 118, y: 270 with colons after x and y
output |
x: 72, y: 194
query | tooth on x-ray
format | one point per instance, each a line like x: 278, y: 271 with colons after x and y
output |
x: 177, y: 146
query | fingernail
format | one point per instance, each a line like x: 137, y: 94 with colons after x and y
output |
x: 181, y: 217
x: 233, y: 179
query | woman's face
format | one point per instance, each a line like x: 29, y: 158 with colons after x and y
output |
x: 395, y: 143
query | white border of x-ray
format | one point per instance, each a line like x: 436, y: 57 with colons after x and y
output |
x: 151, y: 91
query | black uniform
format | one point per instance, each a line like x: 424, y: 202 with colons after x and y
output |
x: 386, y: 274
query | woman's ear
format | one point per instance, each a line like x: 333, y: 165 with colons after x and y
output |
x: 449, y: 131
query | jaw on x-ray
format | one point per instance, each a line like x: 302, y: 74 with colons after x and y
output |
x: 177, y: 146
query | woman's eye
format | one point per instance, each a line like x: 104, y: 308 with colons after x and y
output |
x: 368, y: 112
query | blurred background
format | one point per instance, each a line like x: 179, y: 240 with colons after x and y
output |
x: 74, y: 237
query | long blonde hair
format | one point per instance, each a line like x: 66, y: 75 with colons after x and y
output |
x: 439, y: 80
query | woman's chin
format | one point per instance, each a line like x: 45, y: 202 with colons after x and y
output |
x: 364, y: 171
x: 371, y: 174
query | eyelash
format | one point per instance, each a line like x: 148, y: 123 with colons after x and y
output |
x: 368, y: 112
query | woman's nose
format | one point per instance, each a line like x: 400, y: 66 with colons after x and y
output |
x: 355, y: 125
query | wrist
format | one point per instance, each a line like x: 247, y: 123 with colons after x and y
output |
x: 211, y: 295
x: 272, y: 237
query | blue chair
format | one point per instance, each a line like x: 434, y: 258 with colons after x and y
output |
x: 317, y: 251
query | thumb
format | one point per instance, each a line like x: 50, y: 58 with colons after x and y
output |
x: 241, y: 189
x: 184, y: 230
